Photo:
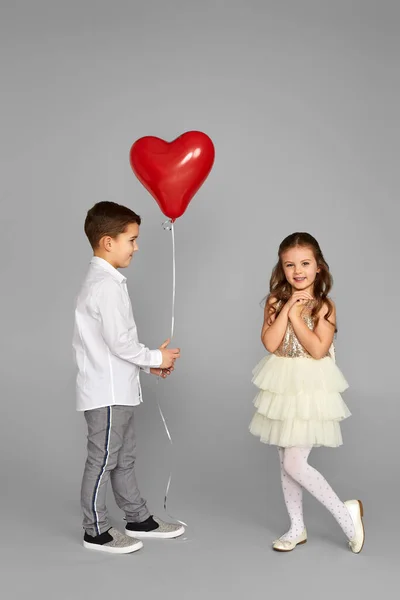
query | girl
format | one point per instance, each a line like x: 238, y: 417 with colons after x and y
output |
x: 299, y: 404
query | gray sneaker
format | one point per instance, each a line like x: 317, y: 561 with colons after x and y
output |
x: 112, y: 541
x: 154, y: 527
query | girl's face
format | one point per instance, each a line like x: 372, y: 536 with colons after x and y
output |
x: 300, y: 268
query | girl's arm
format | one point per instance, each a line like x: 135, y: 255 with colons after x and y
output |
x: 274, y: 328
x: 316, y: 342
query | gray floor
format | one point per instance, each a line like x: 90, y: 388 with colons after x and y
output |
x: 226, y: 551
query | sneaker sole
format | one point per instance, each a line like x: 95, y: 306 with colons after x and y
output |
x: 153, y: 534
x: 113, y: 550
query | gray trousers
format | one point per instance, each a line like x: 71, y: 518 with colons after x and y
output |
x: 111, y: 453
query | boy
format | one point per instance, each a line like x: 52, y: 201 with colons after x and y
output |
x: 109, y: 357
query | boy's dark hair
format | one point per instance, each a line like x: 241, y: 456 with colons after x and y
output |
x: 108, y: 218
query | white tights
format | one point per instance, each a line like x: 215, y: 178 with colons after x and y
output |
x: 297, y: 474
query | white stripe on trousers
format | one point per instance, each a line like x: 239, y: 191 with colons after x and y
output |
x: 108, y: 436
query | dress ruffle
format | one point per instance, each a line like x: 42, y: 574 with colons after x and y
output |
x: 299, y: 402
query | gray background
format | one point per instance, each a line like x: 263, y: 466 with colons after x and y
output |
x: 301, y: 100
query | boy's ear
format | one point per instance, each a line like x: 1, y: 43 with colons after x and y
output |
x: 105, y: 243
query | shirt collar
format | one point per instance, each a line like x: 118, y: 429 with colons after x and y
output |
x: 103, y: 264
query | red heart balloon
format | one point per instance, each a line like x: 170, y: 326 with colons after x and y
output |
x: 173, y: 171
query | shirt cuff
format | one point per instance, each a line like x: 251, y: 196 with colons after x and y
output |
x: 155, y: 361
x: 155, y: 358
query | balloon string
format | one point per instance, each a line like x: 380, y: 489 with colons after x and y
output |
x: 173, y: 280
x: 169, y: 226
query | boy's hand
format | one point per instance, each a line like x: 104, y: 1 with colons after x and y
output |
x: 161, y: 372
x: 169, y: 356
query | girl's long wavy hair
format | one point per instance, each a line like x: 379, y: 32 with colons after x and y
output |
x: 281, y: 290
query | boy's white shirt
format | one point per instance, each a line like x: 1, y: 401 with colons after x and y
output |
x: 107, y: 350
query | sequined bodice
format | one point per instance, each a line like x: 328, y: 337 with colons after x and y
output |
x: 290, y: 346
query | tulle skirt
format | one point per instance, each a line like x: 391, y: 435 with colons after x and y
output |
x: 299, y: 402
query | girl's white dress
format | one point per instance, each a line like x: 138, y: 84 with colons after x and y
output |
x: 299, y: 402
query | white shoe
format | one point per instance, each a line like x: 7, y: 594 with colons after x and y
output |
x: 289, y: 545
x: 356, y: 510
